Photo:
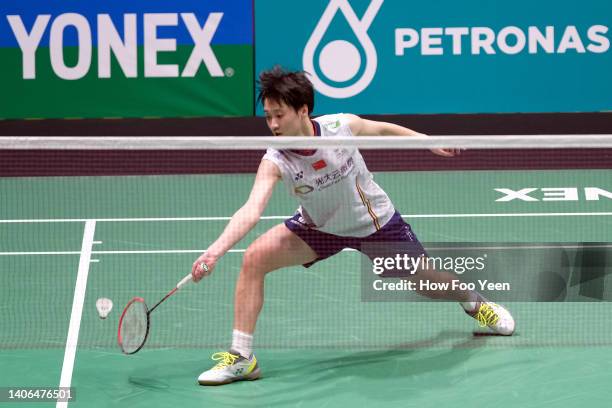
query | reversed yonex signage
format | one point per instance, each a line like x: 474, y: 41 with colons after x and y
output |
x: 117, y: 59
x: 396, y: 56
x: 531, y: 194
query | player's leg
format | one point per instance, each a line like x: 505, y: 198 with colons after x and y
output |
x: 488, y: 314
x: 275, y: 249
x: 442, y: 279
x: 399, y: 239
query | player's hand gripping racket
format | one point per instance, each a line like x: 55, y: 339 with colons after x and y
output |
x: 135, y: 321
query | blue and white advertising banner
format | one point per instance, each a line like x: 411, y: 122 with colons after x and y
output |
x: 444, y: 56
x: 116, y: 59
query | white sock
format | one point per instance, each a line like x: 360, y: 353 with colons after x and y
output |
x: 242, y: 343
x: 470, y: 305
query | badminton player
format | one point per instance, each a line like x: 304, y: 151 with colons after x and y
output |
x: 340, y: 207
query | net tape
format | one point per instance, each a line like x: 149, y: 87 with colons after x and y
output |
x: 263, y: 142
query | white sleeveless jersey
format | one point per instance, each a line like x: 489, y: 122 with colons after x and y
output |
x: 336, y: 191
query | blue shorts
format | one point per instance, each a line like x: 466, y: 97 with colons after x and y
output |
x: 395, y: 237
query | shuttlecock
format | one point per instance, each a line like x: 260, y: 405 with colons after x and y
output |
x: 104, y: 307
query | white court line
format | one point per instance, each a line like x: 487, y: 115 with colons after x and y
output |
x: 152, y: 251
x: 283, y: 217
x: 51, y: 220
x: 77, y: 308
x: 527, y: 246
x: 198, y: 251
x: 144, y: 251
x: 41, y: 253
x: 502, y: 215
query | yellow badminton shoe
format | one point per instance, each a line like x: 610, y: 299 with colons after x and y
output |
x: 231, y: 367
x: 493, y: 316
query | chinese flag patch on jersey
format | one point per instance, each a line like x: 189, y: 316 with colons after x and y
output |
x: 318, y: 165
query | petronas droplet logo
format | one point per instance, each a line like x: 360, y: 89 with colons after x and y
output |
x: 340, y: 60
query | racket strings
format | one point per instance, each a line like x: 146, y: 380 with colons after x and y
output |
x: 134, y: 327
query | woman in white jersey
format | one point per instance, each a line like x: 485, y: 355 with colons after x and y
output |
x: 340, y: 207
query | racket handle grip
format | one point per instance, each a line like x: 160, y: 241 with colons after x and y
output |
x: 183, y: 281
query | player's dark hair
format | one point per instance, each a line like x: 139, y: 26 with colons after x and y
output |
x: 291, y: 87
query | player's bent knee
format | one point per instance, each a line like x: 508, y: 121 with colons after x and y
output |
x: 254, y: 262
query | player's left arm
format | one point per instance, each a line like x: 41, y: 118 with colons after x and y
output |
x: 365, y: 127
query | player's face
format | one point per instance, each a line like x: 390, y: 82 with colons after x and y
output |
x: 282, y: 119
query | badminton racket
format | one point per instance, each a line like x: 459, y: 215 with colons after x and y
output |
x: 135, y: 321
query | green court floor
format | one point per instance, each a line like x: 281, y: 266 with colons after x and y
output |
x: 318, y: 343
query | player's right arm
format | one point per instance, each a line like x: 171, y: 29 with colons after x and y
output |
x: 360, y: 126
x: 242, y: 221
